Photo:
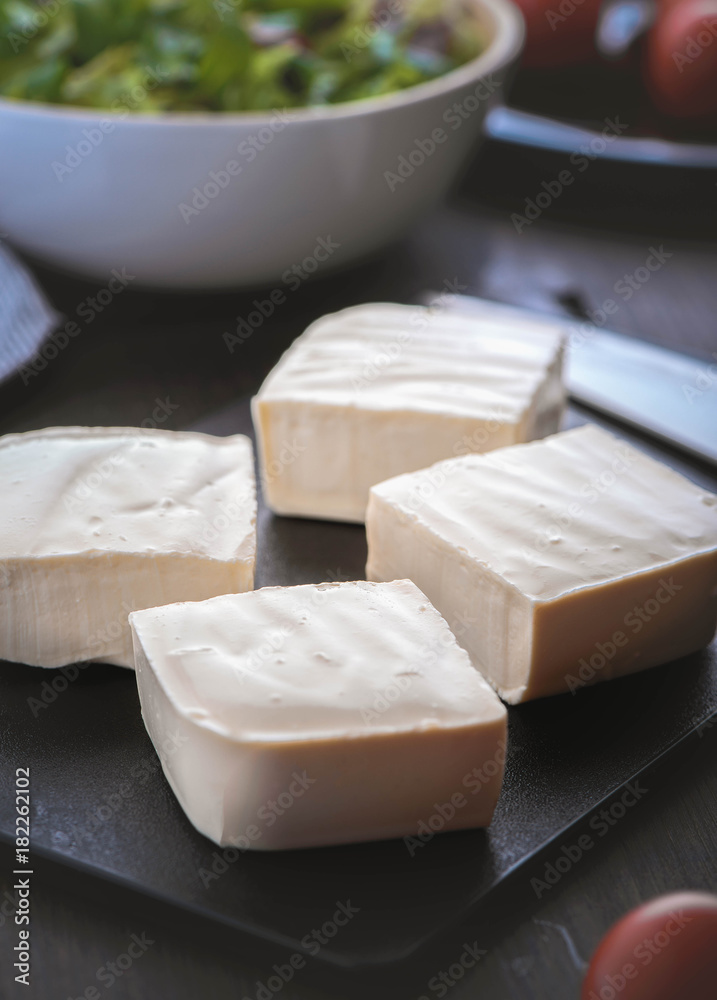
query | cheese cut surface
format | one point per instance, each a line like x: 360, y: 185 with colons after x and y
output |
x: 99, y: 521
x: 350, y: 703
x: 377, y: 390
x: 565, y: 561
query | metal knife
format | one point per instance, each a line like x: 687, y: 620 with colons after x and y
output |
x: 663, y: 392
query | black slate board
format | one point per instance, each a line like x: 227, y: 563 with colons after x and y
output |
x: 88, y: 751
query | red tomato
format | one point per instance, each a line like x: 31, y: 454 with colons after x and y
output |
x: 681, y: 58
x: 663, y: 950
x: 559, y: 32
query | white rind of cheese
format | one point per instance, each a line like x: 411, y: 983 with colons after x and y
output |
x: 100, y: 521
x: 349, y: 706
x: 376, y: 390
x: 560, y: 563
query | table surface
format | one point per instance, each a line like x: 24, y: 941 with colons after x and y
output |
x: 148, y: 347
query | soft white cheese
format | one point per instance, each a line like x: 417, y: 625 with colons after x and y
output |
x: 310, y: 715
x: 99, y: 521
x: 558, y: 563
x: 376, y: 390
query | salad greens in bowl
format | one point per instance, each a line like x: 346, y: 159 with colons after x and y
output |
x: 228, y: 55
x: 237, y: 143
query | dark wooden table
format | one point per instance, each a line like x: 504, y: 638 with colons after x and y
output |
x: 149, y: 348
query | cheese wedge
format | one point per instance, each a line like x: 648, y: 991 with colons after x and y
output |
x: 376, y: 390
x: 99, y: 521
x: 310, y: 715
x: 558, y: 563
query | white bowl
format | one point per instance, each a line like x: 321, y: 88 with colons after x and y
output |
x: 92, y: 192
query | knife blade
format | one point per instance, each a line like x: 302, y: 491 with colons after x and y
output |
x: 668, y: 394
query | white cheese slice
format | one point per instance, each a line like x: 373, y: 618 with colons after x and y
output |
x: 376, y: 390
x: 558, y: 563
x: 99, y: 521
x: 310, y: 715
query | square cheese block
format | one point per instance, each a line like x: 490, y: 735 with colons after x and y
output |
x: 376, y: 390
x: 99, y: 521
x: 558, y: 563
x: 312, y: 715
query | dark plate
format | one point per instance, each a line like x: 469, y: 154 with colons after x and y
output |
x: 566, y: 109
x: 541, y: 132
x: 652, y: 173
x: 102, y: 806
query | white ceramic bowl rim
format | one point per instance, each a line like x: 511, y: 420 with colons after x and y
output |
x: 507, y: 41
